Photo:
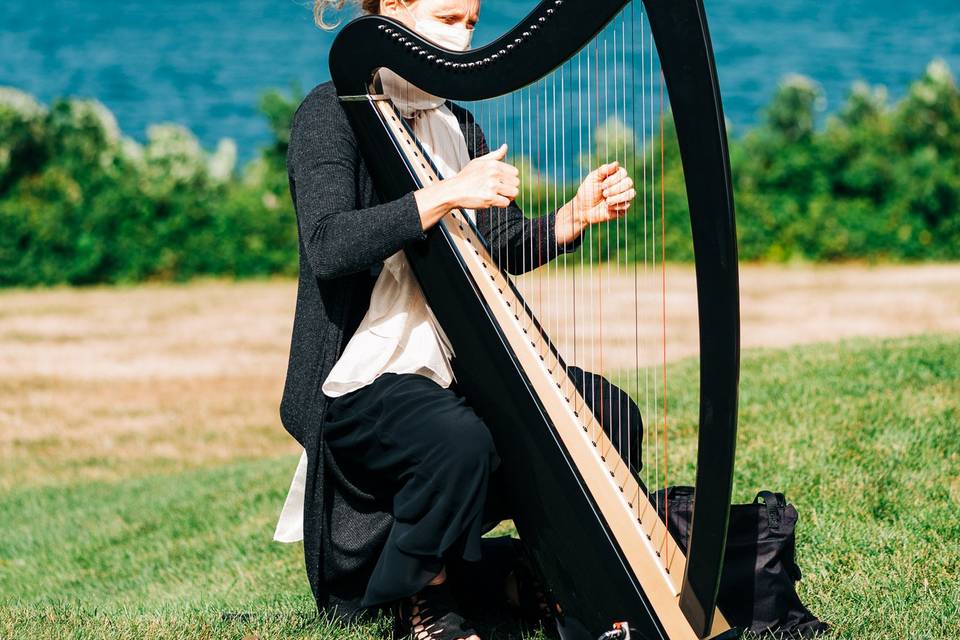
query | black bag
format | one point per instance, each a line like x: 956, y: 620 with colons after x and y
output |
x: 758, y: 583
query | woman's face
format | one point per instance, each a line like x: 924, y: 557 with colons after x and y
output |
x: 463, y: 13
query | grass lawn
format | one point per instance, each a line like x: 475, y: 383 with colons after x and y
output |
x: 863, y: 437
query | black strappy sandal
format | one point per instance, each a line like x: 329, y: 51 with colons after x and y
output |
x: 431, y: 615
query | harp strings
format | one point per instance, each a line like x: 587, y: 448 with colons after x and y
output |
x: 605, y: 306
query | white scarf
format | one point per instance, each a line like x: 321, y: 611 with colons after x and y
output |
x: 399, y: 333
x: 434, y: 125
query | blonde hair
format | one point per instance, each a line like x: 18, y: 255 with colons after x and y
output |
x: 320, y: 7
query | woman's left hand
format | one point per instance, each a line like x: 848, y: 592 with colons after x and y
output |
x: 606, y: 194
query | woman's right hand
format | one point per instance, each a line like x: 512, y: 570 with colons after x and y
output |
x: 485, y: 182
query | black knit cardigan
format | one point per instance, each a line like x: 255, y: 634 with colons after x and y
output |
x: 345, y: 233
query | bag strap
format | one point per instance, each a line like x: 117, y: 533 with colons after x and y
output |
x: 774, y: 502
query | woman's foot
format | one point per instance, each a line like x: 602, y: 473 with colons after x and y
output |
x: 432, y: 615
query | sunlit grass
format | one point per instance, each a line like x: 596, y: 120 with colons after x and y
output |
x: 861, y: 436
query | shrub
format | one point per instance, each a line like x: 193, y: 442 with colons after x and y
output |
x: 80, y: 203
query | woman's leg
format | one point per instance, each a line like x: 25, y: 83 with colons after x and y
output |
x: 406, y: 437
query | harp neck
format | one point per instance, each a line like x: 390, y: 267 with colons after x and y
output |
x: 549, y: 35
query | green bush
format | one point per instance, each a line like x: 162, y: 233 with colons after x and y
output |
x: 80, y: 203
x: 878, y: 182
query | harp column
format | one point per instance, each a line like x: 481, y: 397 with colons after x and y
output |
x: 686, y: 56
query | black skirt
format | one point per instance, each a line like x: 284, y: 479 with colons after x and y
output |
x: 429, y: 460
x: 422, y: 449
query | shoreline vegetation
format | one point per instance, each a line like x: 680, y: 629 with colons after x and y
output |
x: 80, y: 203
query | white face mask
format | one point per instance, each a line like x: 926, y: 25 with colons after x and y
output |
x: 449, y: 36
x: 454, y: 37
x: 408, y: 98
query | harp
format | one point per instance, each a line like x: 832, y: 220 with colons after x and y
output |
x: 594, y: 531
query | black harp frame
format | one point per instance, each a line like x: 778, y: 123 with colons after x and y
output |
x: 489, y: 373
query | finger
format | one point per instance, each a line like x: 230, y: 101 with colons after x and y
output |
x: 607, y: 170
x: 618, y: 176
x: 626, y: 196
x: 501, y: 202
x: 600, y: 173
x: 498, y: 154
x: 508, y: 191
x: 507, y: 169
x: 618, y: 187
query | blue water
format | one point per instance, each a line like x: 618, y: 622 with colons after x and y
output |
x: 204, y: 64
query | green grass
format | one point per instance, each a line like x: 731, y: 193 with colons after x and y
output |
x: 863, y: 437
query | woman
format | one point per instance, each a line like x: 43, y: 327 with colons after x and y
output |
x: 397, y: 467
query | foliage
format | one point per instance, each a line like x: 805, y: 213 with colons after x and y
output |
x: 80, y: 203
x: 877, y: 182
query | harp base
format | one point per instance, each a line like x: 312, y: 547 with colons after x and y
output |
x: 622, y: 631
